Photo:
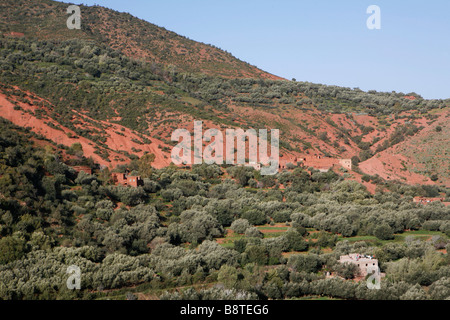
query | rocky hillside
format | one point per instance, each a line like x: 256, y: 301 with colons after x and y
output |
x: 120, y: 86
x: 136, y: 38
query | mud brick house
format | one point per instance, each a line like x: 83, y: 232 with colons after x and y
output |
x: 364, y: 262
x: 346, y: 163
x: 285, y: 164
x: 425, y: 200
x: 135, y: 181
x: 254, y: 165
x: 119, y: 178
x: 85, y: 169
x: 324, y: 164
x: 320, y: 163
x: 126, y: 180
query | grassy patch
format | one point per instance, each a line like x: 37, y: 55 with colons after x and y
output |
x: 417, y: 235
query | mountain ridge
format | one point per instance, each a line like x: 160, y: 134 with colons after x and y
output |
x: 95, y: 91
x: 134, y: 37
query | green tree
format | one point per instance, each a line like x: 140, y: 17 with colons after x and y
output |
x: 346, y: 270
x: 384, y: 232
x: 295, y: 241
x: 145, y: 165
x: 308, y: 263
x: 257, y: 254
x: 255, y: 217
x: 240, y: 225
x: 11, y: 248
x: 253, y: 232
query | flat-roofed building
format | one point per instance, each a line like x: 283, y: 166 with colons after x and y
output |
x: 365, y: 263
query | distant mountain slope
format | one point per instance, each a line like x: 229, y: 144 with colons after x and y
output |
x: 45, y: 19
x: 75, y: 86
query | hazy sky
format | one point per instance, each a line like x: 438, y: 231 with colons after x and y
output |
x: 321, y: 41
